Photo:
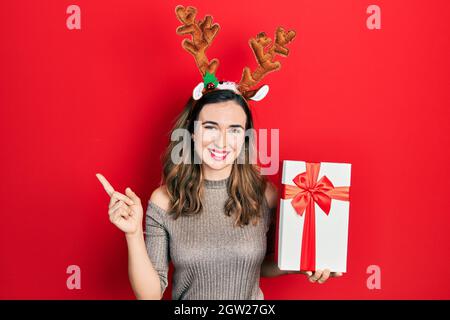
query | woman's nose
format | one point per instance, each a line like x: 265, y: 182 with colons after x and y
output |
x: 221, y: 140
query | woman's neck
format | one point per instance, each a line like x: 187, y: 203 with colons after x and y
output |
x: 213, y: 174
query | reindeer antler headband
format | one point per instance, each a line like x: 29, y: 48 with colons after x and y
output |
x: 203, y: 33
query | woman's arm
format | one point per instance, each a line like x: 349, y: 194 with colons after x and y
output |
x: 126, y: 213
x: 143, y: 277
x: 149, y: 252
x: 148, y: 255
x: 269, y: 267
x: 148, y: 261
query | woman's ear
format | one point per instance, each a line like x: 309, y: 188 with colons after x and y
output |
x: 193, y: 136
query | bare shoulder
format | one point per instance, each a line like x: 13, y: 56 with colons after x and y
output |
x: 271, y: 194
x: 160, y: 197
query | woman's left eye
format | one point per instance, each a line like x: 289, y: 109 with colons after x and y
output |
x: 235, y: 130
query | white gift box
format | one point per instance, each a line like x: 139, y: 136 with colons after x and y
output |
x: 328, y: 233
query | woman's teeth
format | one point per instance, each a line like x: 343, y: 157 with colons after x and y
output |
x: 218, y: 155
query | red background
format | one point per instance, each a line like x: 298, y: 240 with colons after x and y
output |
x: 103, y: 98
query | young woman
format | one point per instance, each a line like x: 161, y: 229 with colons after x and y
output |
x: 212, y: 216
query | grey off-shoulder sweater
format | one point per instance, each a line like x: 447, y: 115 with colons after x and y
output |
x: 211, y: 258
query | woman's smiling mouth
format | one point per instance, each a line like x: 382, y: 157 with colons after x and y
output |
x: 218, y: 155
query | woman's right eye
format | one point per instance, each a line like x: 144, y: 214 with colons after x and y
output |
x: 209, y: 127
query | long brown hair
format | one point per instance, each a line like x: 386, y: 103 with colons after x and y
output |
x: 183, y: 180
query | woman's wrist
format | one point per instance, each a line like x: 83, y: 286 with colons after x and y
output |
x: 136, y: 235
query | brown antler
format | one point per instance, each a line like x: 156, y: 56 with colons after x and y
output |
x: 265, y: 59
x: 203, y: 33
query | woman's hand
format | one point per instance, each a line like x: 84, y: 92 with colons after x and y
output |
x: 125, y: 211
x: 319, y: 276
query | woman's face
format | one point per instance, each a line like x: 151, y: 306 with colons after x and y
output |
x: 220, y: 134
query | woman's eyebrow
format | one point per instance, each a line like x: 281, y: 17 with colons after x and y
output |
x: 230, y: 126
x: 210, y: 122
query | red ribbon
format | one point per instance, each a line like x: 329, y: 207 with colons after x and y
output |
x: 304, y: 194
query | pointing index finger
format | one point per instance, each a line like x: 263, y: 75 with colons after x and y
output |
x: 106, y: 185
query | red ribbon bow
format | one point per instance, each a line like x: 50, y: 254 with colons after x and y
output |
x: 304, y: 194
